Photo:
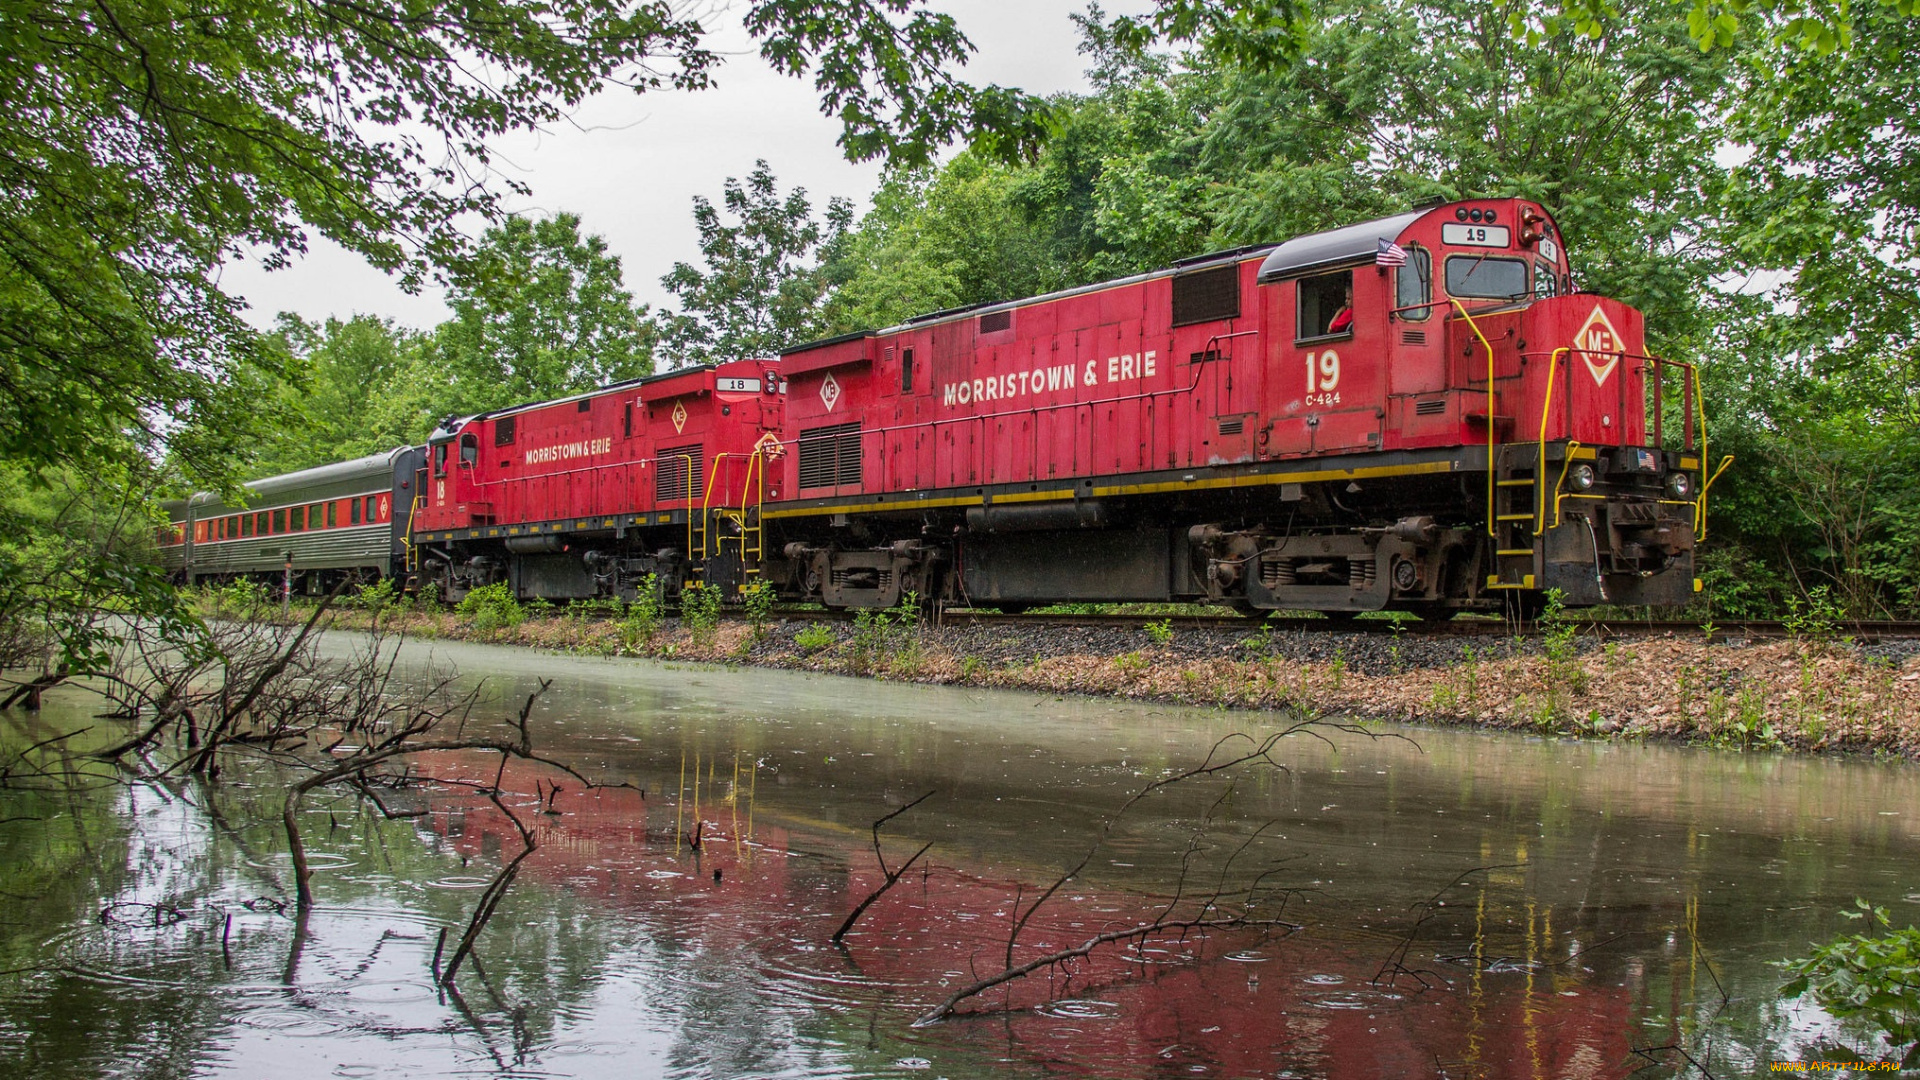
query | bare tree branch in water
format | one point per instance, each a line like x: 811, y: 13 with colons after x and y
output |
x: 1258, y: 752
x: 1162, y: 927
x: 1220, y: 908
x: 888, y: 877
x: 397, y: 742
x: 1395, y: 964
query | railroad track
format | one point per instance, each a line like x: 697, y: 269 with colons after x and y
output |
x: 1463, y: 626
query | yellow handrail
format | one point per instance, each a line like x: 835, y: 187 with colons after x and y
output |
x: 1540, y: 452
x: 688, y: 458
x: 406, y: 539
x: 1475, y: 327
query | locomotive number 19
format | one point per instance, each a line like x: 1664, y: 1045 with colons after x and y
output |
x: 1323, y: 377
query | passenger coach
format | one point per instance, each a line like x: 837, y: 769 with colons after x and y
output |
x: 323, y: 524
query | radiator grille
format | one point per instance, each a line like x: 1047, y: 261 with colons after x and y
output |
x: 1430, y: 408
x: 1413, y: 337
x: 830, y: 456
x: 671, y: 480
x: 1206, y: 296
x: 1234, y: 426
x: 995, y: 321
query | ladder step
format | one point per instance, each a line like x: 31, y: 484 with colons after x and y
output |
x: 1514, y: 517
x: 1517, y: 483
x: 1514, y: 551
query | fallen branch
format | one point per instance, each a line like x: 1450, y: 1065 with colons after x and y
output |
x: 889, y: 877
x: 31, y: 691
x: 1261, y: 751
x: 946, y: 1008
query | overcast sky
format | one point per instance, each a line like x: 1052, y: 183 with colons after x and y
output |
x: 630, y: 164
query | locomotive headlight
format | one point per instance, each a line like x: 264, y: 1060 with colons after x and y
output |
x: 1580, y: 477
x: 1679, y: 485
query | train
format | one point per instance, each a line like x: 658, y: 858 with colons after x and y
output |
x: 1418, y: 412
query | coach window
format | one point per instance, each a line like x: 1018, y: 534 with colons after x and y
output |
x: 280, y: 521
x: 333, y: 514
x: 1486, y: 278
x: 1413, y: 284
x: 1326, y: 306
x: 371, y: 515
x: 353, y: 511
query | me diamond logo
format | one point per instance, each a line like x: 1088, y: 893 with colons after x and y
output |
x: 829, y: 392
x: 769, y: 446
x: 679, y: 416
x: 1598, y: 338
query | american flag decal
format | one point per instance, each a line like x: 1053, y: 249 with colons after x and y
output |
x: 1390, y: 254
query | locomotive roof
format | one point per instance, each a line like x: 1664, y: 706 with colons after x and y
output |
x: 1349, y: 243
x: 447, y: 429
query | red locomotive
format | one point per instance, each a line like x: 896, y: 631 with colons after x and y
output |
x: 590, y: 495
x: 1410, y: 413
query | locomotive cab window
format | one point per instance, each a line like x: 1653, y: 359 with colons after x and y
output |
x: 1544, y: 281
x: 1326, y: 306
x: 1487, y: 278
x: 1413, y: 284
x: 440, y: 460
x: 469, y: 449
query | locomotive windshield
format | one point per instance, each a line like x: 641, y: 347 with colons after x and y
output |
x: 1486, y: 278
x: 1413, y: 284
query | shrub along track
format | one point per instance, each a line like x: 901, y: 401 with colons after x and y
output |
x: 1460, y: 626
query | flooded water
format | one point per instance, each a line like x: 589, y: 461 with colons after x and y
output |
x: 1457, y: 905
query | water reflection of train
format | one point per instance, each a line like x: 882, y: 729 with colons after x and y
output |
x: 765, y: 891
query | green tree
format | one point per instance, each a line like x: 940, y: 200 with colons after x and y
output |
x: 766, y: 278
x: 150, y: 141
x: 539, y: 311
x: 337, y: 403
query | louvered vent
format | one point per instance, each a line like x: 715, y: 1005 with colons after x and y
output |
x: 503, y: 431
x: 830, y: 456
x: 1413, y: 337
x: 1206, y: 296
x: 680, y: 473
x: 1234, y: 426
x: 995, y: 321
x: 1430, y: 408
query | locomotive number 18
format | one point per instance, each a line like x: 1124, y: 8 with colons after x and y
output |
x: 1323, y: 377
